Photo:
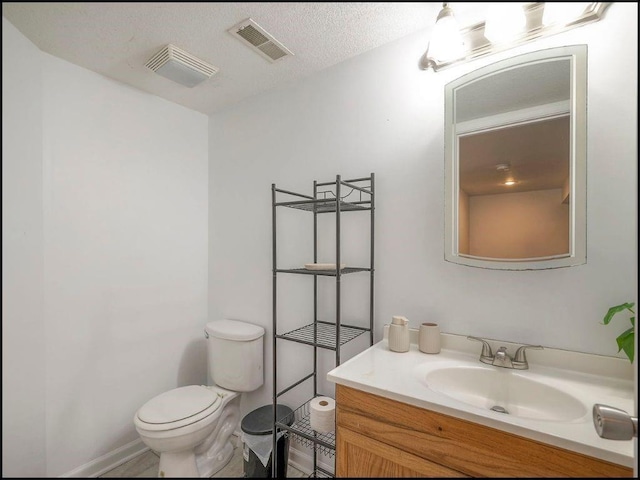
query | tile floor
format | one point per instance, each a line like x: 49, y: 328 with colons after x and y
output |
x: 146, y: 466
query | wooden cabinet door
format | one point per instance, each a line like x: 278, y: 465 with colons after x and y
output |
x: 360, y: 456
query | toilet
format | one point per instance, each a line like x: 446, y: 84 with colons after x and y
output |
x: 191, y: 427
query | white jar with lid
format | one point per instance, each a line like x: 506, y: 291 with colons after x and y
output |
x: 399, y: 334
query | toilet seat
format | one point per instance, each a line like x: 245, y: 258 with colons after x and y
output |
x: 178, y: 408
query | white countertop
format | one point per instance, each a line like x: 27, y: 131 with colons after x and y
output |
x: 592, y: 379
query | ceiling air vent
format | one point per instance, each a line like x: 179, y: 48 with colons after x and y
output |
x: 256, y: 38
x: 180, y: 66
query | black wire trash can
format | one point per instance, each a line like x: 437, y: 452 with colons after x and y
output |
x: 257, y: 428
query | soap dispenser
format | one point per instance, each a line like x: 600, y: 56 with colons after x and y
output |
x: 399, y: 334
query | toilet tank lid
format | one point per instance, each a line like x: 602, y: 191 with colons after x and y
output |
x: 234, y: 330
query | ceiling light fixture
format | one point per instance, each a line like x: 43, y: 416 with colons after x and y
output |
x: 180, y: 66
x: 562, y: 13
x: 446, y: 44
x: 506, y: 168
x: 502, y: 30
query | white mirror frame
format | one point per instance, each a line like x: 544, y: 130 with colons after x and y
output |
x: 577, y: 254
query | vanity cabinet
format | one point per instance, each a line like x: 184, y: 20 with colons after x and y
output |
x: 379, y: 437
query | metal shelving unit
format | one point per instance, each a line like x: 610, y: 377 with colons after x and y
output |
x: 328, y: 197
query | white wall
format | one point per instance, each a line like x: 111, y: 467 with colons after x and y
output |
x: 105, y: 231
x: 379, y: 113
x: 23, y: 366
x: 125, y: 195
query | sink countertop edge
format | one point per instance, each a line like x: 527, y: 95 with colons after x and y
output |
x: 395, y: 380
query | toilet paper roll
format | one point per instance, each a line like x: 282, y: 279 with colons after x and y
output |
x: 322, y: 414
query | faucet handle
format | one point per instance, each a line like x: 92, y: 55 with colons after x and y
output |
x: 486, y: 348
x: 520, y: 353
x: 501, y: 353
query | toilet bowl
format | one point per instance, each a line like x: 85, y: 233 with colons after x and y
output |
x: 191, y: 427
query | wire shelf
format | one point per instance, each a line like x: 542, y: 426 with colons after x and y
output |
x: 303, y: 433
x: 327, y: 206
x: 325, y: 336
x: 331, y: 273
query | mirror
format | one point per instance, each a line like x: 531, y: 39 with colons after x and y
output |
x: 515, y: 162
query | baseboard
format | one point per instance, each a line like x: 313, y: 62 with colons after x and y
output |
x: 303, y: 460
x: 299, y: 459
x: 109, y: 461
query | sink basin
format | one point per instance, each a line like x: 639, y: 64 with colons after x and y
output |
x: 505, y: 391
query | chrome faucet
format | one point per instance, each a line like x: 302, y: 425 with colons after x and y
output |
x: 502, y: 358
x: 520, y: 358
x: 486, y: 356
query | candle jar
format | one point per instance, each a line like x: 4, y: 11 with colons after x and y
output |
x: 429, y: 338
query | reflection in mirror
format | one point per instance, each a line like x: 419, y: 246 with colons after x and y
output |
x: 515, y: 153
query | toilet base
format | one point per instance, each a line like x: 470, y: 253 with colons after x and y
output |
x: 185, y: 464
x: 213, y: 454
x: 178, y: 464
x: 207, y: 466
x: 216, y: 451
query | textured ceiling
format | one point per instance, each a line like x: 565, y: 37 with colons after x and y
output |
x: 117, y: 39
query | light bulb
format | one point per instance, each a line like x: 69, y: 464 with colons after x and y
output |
x: 446, y: 43
x: 505, y: 21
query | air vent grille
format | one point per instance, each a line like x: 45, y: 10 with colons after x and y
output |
x: 272, y: 51
x: 255, y: 37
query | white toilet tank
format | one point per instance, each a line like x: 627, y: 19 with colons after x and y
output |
x: 235, y: 354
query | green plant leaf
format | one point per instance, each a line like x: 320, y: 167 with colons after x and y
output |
x: 617, y: 309
x: 625, y: 342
